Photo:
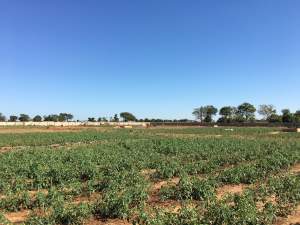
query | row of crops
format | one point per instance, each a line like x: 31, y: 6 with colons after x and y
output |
x: 112, y: 175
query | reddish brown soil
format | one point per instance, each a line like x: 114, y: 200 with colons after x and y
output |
x: 295, y: 168
x: 293, y: 219
x: 155, y: 201
x: 86, y: 199
x: 230, y: 189
x: 17, y: 217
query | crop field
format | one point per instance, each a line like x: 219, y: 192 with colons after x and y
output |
x: 157, y: 176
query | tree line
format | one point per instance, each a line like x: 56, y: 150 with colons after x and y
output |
x: 62, y: 117
x: 245, y: 112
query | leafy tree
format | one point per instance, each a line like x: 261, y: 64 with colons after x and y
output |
x: 24, y: 118
x: 69, y: 116
x: 91, y: 119
x: 205, y: 113
x: 246, y: 112
x: 37, y: 118
x: 2, y: 117
x: 199, y: 113
x: 65, y: 117
x: 127, y: 116
x: 13, y: 118
x: 210, y: 112
x: 227, y: 113
x: 287, y: 116
x: 274, y: 118
x: 102, y: 119
x: 116, y: 118
x: 297, y: 116
x: 266, y: 111
x: 52, y: 117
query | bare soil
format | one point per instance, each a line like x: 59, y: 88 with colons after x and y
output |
x: 295, y: 168
x: 17, y: 217
x: 230, y: 189
x: 293, y: 219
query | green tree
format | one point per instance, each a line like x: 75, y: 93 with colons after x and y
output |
x: 246, y: 112
x: 297, y: 116
x: 199, y: 113
x: 102, y: 119
x: 210, y: 112
x: 226, y: 114
x: 266, y: 111
x: 69, y: 116
x: 287, y: 116
x: 2, y: 117
x: 51, y: 117
x: 274, y: 118
x: 205, y: 113
x: 116, y: 118
x: 127, y: 116
x: 65, y: 117
x: 13, y: 118
x: 91, y: 119
x: 24, y: 118
x: 37, y: 118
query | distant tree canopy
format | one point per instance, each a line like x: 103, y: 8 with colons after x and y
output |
x: 287, y: 116
x: 13, y: 118
x: 2, y: 117
x: 127, y: 116
x: 91, y: 119
x: 24, y: 118
x: 65, y: 117
x: 51, y: 117
x: 274, y: 118
x: 297, y: 116
x: 62, y: 117
x: 37, y: 118
x: 246, y: 112
x: 199, y: 113
x: 116, y: 118
x: 205, y: 113
x: 227, y: 114
x: 266, y: 111
x: 102, y: 119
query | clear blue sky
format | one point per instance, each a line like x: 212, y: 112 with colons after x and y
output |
x: 158, y: 58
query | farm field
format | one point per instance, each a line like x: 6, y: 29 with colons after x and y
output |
x: 149, y: 176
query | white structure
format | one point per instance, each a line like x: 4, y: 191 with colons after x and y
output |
x: 67, y: 124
